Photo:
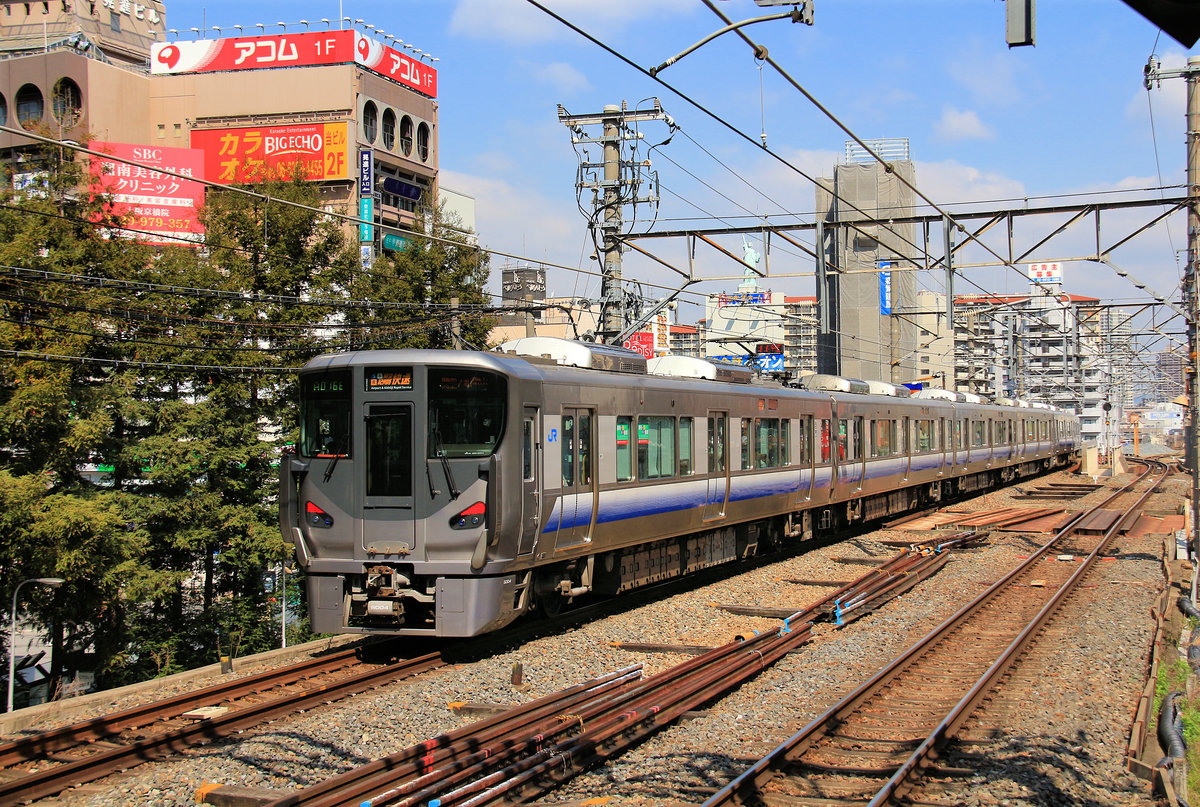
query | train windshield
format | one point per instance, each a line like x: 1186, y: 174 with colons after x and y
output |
x: 325, y: 415
x: 466, y: 412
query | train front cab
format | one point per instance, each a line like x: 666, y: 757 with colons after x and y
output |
x: 394, y: 499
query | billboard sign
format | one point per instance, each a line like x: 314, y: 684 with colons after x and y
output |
x: 1046, y: 272
x: 366, y: 172
x: 157, y: 207
x: 320, y: 151
x: 642, y: 342
x: 308, y: 49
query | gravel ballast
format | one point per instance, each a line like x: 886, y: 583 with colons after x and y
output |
x: 1064, y: 745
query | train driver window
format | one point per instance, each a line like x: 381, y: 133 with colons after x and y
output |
x: 527, y: 450
x: 325, y: 415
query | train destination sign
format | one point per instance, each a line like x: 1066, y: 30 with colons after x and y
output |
x: 389, y: 379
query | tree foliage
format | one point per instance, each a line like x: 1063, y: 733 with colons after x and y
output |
x: 146, y: 393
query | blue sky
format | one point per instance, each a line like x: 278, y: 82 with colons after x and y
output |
x: 985, y: 123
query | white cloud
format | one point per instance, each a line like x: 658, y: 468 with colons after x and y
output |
x: 520, y: 221
x: 1168, y: 97
x: 559, y: 77
x: 990, y: 79
x: 519, y: 21
x: 959, y: 124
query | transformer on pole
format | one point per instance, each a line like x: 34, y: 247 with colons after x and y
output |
x: 616, y: 182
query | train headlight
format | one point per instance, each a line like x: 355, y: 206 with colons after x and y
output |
x: 473, y: 516
x: 317, y: 517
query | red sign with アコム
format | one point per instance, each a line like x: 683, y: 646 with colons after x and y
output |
x: 318, y: 151
x: 157, y: 208
x: 292, y: 50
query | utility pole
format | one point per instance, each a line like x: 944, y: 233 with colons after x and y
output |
x: 614, y: 182
x: 1153, y: 76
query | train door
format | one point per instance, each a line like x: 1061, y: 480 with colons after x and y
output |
x: 851, y: 453
x: 531, y: 486
x: 578, y: 478
x: 718, y: 466
x: 389, y: 524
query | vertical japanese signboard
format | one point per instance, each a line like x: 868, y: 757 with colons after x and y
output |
x: 314, y: 151
x: 157, y: 208
x: 885, y: 287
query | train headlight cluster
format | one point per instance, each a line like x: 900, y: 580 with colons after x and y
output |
x: 473, y: 516
x: 317, y: 517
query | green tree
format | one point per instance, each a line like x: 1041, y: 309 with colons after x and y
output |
x: 437, y: 266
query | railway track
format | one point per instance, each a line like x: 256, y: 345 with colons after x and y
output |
x: 531, y: 749
x: 873, y: 745
x: 79, y: 753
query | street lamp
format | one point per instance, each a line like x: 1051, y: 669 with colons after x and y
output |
x: 53, y: 582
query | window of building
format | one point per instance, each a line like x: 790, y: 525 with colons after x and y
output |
x: 67, y: 102
x: 114, y: 22
x: 423, y: 142
x: 370, y: 122
x: 406, y: 135
x: 30, y: 106
x: 389, y: 129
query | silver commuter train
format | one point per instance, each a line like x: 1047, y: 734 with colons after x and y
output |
x: 445, y: 493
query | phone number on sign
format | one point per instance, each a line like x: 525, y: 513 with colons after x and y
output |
x: 161, y: 223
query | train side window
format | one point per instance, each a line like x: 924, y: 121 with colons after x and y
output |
x: 804, y: 433
x: 924, y: 435
x: 624, y: 449
x: 687, y: 445
x: 585, y: 444
x: 785, y: 442
x: 656, y: 447
x: 766, y: 443
x: 746, y: 444
x: 1001, y: 434
x: 568, y: 450
x: 882, y: 440
x: 857, y: 443
x: 527, y: 450
x: 716, y: 444
x: 825, y: 439
x: 901, y: 436
x: 978, y: 433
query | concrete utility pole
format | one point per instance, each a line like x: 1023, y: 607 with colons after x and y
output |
x: 1153, y: 76
x: 617, y: 185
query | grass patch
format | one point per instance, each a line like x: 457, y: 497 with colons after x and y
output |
x: 1173, y: 676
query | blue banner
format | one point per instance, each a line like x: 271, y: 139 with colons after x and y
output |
x: 366, y: 211
x: 885, y: 287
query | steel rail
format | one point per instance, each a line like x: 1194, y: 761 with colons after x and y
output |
x: 750, y: 782
x: 901, y: 780
x: 58, y: 778
x: 24, y: 749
